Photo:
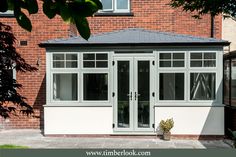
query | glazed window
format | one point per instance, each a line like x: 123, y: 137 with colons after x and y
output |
x: 65, y: 87
x: 95, y: 60
x: 7, y: 13
x: 115, y: 5
x: 65, y: 61
x: 171, y: 60
x: 207, y: 59
x: 202, y: 86
x: 95, y: 86
x: 171, y: 86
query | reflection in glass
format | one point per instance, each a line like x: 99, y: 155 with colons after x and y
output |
x: 233, y: 82
x: 171, y: 86
x: 226, y: 81
x: 95, y: 86
x: 202, y: 86
x: 143, y: 94
x: 65, y: 86
x: 123, y: 70
x: 122, y: 4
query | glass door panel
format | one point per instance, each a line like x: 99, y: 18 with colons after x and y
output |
x: 124, y: 95
x: 143, y: 94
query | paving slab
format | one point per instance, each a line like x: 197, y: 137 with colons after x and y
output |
x: 35, y: 139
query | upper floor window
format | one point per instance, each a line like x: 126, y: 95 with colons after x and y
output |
x: 207, y: 59
x: 7, y: 13
x: 116, y: 5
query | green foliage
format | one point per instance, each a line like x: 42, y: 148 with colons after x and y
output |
x: 10, y: 59
x: 71, y: 11
x: 213, y: 7
x: 166, y: 125
x: 233, y: 136
x: 10, y: 146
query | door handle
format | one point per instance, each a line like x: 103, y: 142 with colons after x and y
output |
x: 130, y: 95
x: 136, y: 95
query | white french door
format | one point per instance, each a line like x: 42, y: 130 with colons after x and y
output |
x: 133, y: 93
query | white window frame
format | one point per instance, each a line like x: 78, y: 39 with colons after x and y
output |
x: 171, y: 60
x: 64, y: 71
x: 82, y: 87
x: 90, y: 68
x: 114, y: 8
x: 189, y: 86
x: 7, y: 13
x: 65, y: 101
x: 65, y: 53
x: 79, y: 71
x: 158, y: 85
x: 203, y: 70
x: 187, y: 70
x: 202, y: 52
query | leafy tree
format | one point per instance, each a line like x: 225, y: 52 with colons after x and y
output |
x: 213, y: 7
x: 71, y: 11
x: 10, y: 60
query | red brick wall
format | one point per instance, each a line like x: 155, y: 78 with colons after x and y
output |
x: 34, y: 85
x: 151, y: 14
x: 157, y: 15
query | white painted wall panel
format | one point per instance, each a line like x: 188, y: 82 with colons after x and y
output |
x: 193, y: 120
x: 78, y: 120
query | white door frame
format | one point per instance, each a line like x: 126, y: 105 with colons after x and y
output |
x: 133, y: 87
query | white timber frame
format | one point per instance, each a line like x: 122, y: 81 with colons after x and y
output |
x: 157, y: 104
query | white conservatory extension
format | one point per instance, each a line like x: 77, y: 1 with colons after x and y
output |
x: 127, y: 81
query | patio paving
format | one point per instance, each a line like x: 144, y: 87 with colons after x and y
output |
x: 34, y: 139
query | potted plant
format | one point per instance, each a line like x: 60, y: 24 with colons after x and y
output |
x: 233, y: 137
x: 166, y: 126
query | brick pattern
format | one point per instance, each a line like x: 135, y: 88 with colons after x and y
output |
x: 152, y: 14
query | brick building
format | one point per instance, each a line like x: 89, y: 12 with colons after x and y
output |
x: 172, y: 47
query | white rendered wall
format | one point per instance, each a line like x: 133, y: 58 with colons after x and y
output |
x: 193, y: 120
x: 78, y: 120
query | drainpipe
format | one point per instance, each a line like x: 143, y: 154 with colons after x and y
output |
x: 212, y: 26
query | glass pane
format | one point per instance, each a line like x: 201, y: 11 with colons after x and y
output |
x: 226, y: 81
x: 196, y: 56
x: 209, y: 63
x: 71, y: 64
x: 196, y: 63
x: 95, y: 86
x: 233, y: 82
x: 123, y: 85
x: 178, y: 55
x: 58, y: 56
x: 65, y: 87
x: 89, y: 64
x: 178, y: 63
x: 209, y: 55
x: 102, y: 56
x: 165, y: 55
x: 202, y: 86
x: 165, y: 63
x: 58, y: 64
x: 107, y: 4
x: 171, y: 86
x: 143, y: 94
x: 122, y: 4
x: 101, y: 64
x: 71, y: 56
x: 89, y: 56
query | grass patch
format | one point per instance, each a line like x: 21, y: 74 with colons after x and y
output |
x: 10, y: 146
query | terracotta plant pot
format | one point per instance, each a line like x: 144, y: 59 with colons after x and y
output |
x: 166, y: 136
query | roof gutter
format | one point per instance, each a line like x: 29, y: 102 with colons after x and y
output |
x: 224, y: 43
